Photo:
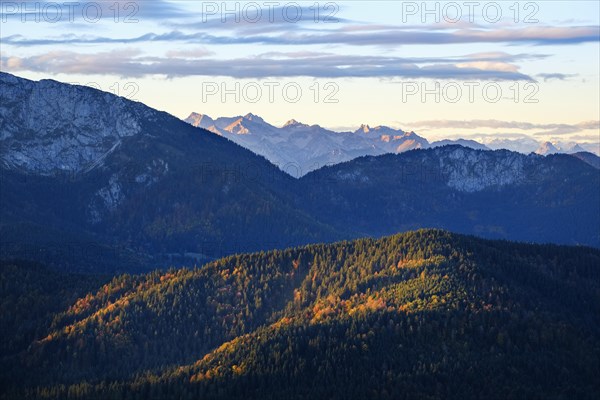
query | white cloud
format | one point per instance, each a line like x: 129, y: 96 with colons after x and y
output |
x: 131, y: 63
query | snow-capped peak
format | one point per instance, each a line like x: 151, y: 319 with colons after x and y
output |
x: 293, y: 123
x: 364, y: 128
x: 253, y: 117
x: 547, y: 148
x: 199, y: 120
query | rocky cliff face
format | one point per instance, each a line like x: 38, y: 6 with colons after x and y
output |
x: 468, y: 170
x: 47, y: 126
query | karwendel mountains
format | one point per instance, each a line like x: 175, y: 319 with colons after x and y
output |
x: 299, y: 148
x: 142, y: 257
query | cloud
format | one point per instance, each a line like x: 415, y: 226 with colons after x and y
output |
x: 392, y: 36
x: 508, y: 136
x: 58, y: 11
x: 539, y: 35
x: 13, y: 63
x: 131, y: 63
x: 69, y: 61
x: 69, y: 39
x: 557, y: 76
x: 259, y: 17
x: 565, y: 129
x: 506, y: 57
x: 489, y: 66
x: 585, y: 137
x: 351, y: 33
x: 190, y: 53
x: 544, y: 129
x: 294, y: 54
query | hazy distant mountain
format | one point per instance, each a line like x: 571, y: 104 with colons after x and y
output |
x: 462, y: 142
x: 571, y: 148
x: 523, y: 145
x: 592, y: 148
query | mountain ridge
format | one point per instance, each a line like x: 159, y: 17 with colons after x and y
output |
x: 306, y: 156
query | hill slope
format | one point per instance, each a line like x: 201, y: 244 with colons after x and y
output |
x: 424, y: 314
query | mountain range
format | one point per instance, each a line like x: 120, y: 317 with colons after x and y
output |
x: 142, y: 257
x: 299, y: 148
x: 94, y: 182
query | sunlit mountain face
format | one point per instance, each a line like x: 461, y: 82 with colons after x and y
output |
x: 368, y: 200
x: 299, y: 148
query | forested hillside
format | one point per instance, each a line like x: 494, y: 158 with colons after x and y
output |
x: 425, y: 314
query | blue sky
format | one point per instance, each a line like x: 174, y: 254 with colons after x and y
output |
x: 443, y: 69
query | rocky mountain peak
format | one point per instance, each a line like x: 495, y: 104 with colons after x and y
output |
x: 253, y: 117
x: 293, y: 123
